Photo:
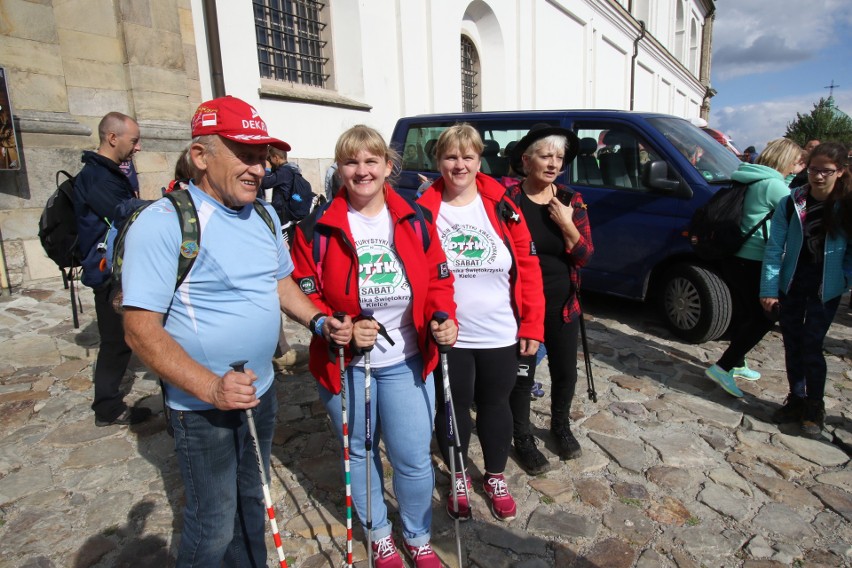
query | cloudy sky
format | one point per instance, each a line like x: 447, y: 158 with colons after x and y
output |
x: 772, y: 59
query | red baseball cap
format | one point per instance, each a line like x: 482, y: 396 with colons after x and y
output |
x: 234, y: 119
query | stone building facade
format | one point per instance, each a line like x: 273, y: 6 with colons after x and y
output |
x: 69, y: 62
x: 313, y: 69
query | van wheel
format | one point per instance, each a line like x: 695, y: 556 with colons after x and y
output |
x: 696, y: 303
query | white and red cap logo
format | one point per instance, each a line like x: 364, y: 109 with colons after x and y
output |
x: 234, y: 119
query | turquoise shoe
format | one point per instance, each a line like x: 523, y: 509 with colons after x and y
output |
x: 724, y: 379
x: 745, y: 373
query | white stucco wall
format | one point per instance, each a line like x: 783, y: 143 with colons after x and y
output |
x: 401, y: 57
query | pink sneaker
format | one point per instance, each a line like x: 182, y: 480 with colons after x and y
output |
x: 502, y: 504
x: 423, y: 556
x: 385, y: 554
x: 464, y: 504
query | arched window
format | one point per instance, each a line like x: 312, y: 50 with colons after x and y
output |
x: 693, y: 47
x: 680, y: 32
x: 470, y: 72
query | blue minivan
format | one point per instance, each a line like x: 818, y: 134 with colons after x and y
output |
x: 642, y: 176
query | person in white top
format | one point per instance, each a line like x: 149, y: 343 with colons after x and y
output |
x: 370, y: 249
x: 500, y: 308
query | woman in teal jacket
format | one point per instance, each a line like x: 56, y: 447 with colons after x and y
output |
x: 806, y: 268
x: 766, y: 187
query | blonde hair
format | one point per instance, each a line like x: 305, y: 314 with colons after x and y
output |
x: 362, y: 137
x: 462, y: 135
x: 780, y: 154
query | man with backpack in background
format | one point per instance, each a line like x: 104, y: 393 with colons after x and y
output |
x: 292, y: 195
x: 103, y: 197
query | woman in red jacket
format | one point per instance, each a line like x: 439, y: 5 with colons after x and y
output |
x: 500, y: 307
x: 372, y: 249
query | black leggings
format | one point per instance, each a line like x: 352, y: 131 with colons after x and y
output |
x: 560, y: 338
x: 749, y: 323
x: 484, y: 376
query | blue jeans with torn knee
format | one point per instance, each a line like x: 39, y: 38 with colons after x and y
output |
x: 225, y: 516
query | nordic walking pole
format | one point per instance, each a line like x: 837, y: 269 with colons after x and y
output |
x: 590, y: 381
x: 368, y: 440
x: 452, y: 434
x: 239, y: 366
x: 340, y: 357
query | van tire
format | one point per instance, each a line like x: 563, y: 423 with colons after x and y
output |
x: 696, y: 303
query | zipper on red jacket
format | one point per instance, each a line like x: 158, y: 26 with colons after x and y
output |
x: 353, y: 264
x: 514, y: 281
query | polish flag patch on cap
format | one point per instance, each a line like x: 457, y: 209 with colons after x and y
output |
x: 234, y: 119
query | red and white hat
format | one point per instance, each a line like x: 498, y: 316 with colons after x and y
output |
x: 234, y: 119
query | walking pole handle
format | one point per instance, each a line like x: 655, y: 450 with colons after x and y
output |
x: 339, y: 316
x: 366, y: 314
x: 441, y: 317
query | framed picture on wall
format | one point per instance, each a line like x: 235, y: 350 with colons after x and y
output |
x: 9, y: 155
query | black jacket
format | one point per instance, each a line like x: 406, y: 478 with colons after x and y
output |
x: 102, y: 195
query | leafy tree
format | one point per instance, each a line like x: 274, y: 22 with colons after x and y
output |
x: 826, y: 123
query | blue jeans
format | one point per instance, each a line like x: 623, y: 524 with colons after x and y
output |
x: 225, y: 516
x: 804, y: 321
x: 403, y: 409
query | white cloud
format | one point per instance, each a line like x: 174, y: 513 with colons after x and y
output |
x: 755, y: 124
x: 769, y: 35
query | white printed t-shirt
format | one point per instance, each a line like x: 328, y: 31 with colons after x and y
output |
x: 383, y: 287
x: 480, y: 262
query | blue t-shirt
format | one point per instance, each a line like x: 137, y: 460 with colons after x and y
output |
x: 227, y: 309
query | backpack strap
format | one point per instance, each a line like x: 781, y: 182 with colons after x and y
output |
x: 190, y: 233
x: 264, y: 214
x: 316, y: 236
x: 419, y: 221
x: 760, y: 224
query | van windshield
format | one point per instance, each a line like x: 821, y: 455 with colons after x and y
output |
x: 712, y: 160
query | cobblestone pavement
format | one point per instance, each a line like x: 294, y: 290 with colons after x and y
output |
x: 674, y: 472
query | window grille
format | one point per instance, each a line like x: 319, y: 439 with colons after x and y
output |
x: 470, y: 76
x: 289, y: 40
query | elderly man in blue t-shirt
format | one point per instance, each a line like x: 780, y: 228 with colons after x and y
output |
x: 227, y: 309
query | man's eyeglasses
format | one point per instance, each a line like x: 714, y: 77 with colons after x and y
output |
x: 819, y: 172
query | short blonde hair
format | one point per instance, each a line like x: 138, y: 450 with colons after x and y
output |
x: 462, y: 135
x: 780, y: 154
x: 362, y: 137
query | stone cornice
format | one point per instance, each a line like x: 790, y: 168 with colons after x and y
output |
x: 45, y: 122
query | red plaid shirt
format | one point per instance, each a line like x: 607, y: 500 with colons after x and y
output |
x: 578, y: 255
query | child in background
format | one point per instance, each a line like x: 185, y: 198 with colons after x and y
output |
x: 806, y: 268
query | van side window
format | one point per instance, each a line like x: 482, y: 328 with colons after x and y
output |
x: 611, y: 156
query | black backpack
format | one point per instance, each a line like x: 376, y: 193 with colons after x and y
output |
x: 714, y: 231
x: 57, y: 231
x: 299, y: 207
x: 57, y: 227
